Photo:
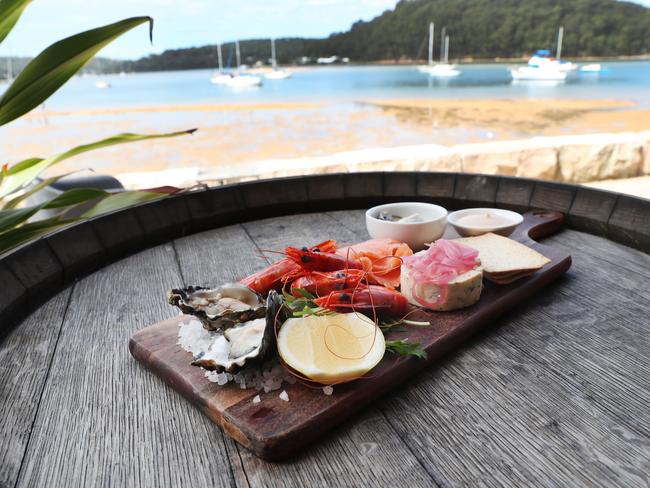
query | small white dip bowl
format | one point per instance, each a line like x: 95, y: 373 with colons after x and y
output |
x: 431, y: 224
x: 504, y: 223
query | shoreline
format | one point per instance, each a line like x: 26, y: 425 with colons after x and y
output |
x: 578, y: 104
x: 468, y: 61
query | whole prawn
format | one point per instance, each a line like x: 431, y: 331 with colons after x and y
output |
x: 311, y: 260
x: 278, y: 274
x: 323, y: 283
x: 368, y: 300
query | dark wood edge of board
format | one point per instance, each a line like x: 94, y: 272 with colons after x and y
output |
x: 34, y: 272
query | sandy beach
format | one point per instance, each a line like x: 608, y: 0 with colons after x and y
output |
x: 231, y: 134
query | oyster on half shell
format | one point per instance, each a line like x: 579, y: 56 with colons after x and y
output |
x: 219, y: 308
x: 243, y: 344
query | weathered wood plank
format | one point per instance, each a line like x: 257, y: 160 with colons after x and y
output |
x: 491, y: 416
x: 103, y: 419
x: 363, y: 451
x: 580, y: 328
x: 618, y: 255
x: 595, y: 334
x: 25, y: 357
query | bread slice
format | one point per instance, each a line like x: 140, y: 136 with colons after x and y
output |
x: 504, y: 260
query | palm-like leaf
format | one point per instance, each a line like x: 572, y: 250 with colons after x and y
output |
x: 10, y: 12
x: 57, y: 64
x: 30, y: 231
x: 13, y: 217
x: 26, y: 171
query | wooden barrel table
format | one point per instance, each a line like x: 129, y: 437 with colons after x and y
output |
x: 556, y: 393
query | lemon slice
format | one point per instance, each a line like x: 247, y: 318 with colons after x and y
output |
x: 331, y: 348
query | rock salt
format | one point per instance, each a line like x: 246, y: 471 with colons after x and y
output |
x: 257, y: 399
x: 328, y: 390
x: 194, y: 338
x: 284, y: 396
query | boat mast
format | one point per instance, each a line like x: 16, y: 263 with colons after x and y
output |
x: 219, y: 57
x: 238, y: 54
x: 560, y: 35
x: 10, y: 69
x: 442, y: 44
x: 431, y: 44
x: 446, y: 49
x: 274, y: 62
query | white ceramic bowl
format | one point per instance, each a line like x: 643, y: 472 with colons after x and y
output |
x: 415, y: 234
x: 508, y: 221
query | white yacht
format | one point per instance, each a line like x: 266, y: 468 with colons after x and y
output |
x: 542, y: 67
x: 277, y: 73
x: 442, y: 69
x: 536, y: 73
x: 240, y: 79
x: 591, y: 68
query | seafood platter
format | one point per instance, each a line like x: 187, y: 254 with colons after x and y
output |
x: 280, y: 357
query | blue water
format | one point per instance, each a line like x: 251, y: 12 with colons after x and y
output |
x: 618, y: 80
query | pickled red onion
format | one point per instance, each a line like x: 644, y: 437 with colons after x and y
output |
x: 441, y: 263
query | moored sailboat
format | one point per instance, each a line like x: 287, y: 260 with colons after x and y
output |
x: 242, y: 80
x: 220, y: 77
x: 277, y: 73
x: 443, y: 69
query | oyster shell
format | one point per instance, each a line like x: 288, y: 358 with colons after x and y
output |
x: 219, y: 308
x: 244, y: 344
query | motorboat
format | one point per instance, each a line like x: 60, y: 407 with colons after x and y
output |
x: 591, y: 68
x: 536, y: 73
x: 102, y: 85
x: 277, y: 74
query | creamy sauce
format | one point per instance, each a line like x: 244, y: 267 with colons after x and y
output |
x: 483, y: 219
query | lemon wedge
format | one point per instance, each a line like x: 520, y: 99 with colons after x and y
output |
x: 331, y: 348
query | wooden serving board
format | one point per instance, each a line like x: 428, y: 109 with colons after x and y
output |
x: 274, y: 429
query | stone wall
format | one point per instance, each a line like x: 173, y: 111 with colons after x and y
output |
x: 575, y: 159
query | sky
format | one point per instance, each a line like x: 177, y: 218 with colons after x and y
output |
x: 185, y: 23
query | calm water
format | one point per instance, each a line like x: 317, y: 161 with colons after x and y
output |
x: 619, y: 80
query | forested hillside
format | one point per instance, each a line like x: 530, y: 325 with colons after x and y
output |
x: 482, y: 29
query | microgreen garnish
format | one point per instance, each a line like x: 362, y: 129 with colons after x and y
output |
x: 406, y: 348
x: 303, y: 306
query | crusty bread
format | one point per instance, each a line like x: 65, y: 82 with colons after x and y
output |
x: 503, y: 259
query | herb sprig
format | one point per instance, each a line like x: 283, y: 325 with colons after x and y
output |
x: 406, y: 348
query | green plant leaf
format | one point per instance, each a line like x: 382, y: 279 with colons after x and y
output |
x: 406, y: 348
x: 74, y: 196
x: 13, y: 203
x: 46, y: 73
x: 15, y: 216
x: 10, y: 12
x: 26, y: 171
x: 121, y: 200
x: 30, y: 231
